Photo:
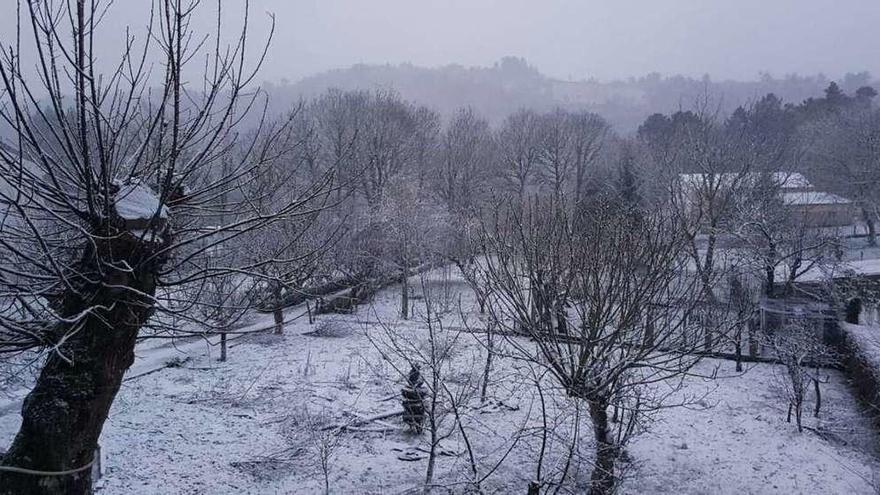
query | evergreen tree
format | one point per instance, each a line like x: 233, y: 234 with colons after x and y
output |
x: 835, y: 98
x: 627, y: 182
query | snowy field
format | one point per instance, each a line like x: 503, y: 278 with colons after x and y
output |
x: 254, y: 424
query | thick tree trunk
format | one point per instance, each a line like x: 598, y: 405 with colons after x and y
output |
x: 602, y: 480
x: 753, y: 336
x: 737, y: 346
x: 770, y: 270
x: 872, y: 228
x: 223, y: 347
x: 277, y: 310
x: 63, y: 415
x: 818, y: 397
x: 278, y: 316
x: 404, y: 293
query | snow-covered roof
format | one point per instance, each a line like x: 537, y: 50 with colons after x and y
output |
x: 785, y: 180
x: 800, y: 198
x: 135, y: 201
x: 866, y: 268
x: 791, y: 180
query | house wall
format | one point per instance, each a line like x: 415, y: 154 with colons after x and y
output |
x: 826, y: 215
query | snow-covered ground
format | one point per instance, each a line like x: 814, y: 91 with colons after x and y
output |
x: 254, y: 423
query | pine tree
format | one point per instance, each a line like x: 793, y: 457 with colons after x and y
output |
x: 835, y: 97
x: 627, y: 181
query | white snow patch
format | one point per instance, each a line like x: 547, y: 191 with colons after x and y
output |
x: 136, y: 201
x: 801, y: 198
x: 240, y: 426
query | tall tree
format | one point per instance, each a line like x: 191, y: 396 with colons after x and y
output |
x: 519, y: 143
x: 600, y: 293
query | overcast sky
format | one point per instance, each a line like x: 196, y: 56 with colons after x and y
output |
x: 606, y: 39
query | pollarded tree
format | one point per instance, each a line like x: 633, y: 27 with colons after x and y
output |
x: 108, y: 197
x: 604, y: 296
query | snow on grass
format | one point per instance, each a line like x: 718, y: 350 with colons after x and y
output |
x: 742, y: 443
x: 250, y: 425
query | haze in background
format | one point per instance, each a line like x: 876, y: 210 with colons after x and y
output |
x: 564, y: 39
x: 496, y: 56
x: 728, y: 39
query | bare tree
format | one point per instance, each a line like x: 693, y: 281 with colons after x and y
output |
x: 412, y: 226
x: 325, y: 445
x: 604, y: 296
x: 284, y: 256
x: 710, y: 167
x: 221, y: 301
x: 104, y: 203
x: 776, y: 240
x: 396, y: 135
x: 431, y: 354
x: 380, y: 145
x: 519, y: 145
x: 464, y: 163
x: 569, y: 144
x: 800, y: 348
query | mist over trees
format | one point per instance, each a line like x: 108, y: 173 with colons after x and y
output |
x: 512, y: 83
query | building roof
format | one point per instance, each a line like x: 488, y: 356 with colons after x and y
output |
x: 785, y: 180
x: 794, y: 188
x: 800, y: 198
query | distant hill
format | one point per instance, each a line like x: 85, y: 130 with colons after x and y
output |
x: 512, y: 84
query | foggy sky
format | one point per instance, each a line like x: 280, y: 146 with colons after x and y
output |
x: 606, y: 39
